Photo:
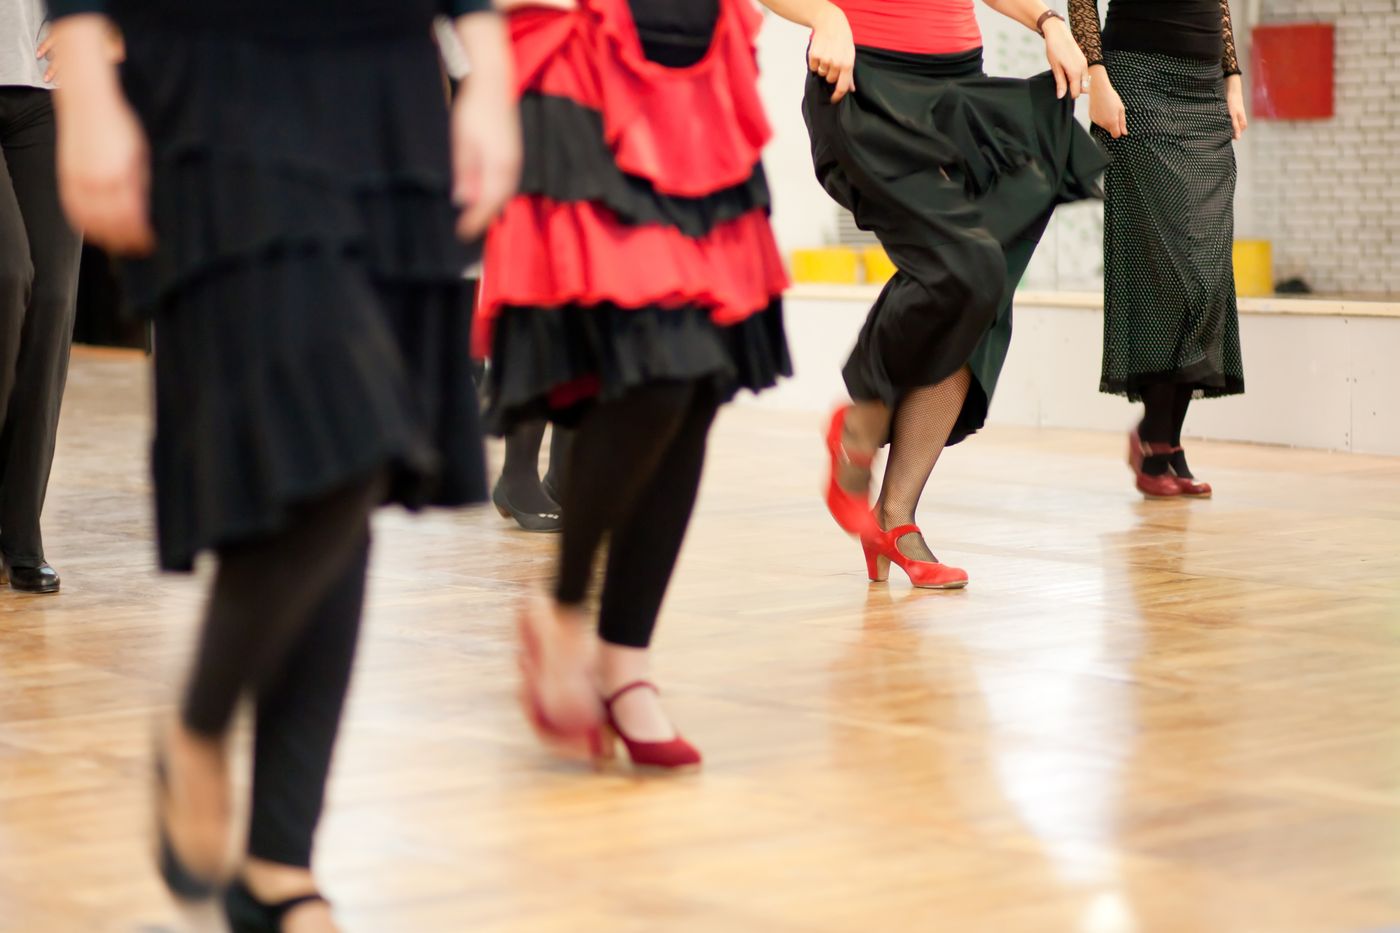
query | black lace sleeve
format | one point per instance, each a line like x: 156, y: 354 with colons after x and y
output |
x: 1084, y: 23
x: 1229, y: 61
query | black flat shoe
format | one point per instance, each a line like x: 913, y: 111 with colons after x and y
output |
x: 184, y: 883
x: 40, y: 579
x: 551, y: 490
x: 246, y: 914
x: 537, y: 522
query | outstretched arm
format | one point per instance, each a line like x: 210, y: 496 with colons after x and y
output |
x: 832, y: 53
x: 1066, y: 60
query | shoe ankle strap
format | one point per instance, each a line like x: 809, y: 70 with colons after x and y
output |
x: 899, y: 531
x: 621, y: 692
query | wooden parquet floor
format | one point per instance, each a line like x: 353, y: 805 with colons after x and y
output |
x: 1142, y: 716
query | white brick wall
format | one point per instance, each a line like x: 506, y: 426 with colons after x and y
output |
x: 1328, y: 192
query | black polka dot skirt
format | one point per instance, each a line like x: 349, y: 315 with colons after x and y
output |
x: 1170, y: 312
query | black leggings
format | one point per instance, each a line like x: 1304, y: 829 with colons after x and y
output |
x: 282, y: 625
x: 633, y: 475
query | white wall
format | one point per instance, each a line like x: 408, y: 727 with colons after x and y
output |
x: 803, y: 215
x: 1326, y: 191
x: 1323, y: 381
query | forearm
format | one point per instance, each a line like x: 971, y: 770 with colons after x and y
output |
x: 486, y: 45
x: 84, y: 43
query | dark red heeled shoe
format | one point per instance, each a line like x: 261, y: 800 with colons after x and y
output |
x: 1164, y: 486
x: 882, y: 549
x: 1189, y: 486
x: 672, y: 755
x: 850, y: 509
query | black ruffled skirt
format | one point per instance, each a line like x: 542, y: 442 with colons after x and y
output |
x: 312, y: 324
x: 957, y: 174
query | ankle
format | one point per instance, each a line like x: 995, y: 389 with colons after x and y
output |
x: 866, y: 424
x: 892, y: 519
x: 620, y: 665
x: 273, y: 882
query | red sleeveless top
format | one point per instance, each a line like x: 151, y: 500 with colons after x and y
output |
x: 923, y: 27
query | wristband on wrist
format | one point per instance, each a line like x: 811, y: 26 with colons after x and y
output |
x: 1046, y: 17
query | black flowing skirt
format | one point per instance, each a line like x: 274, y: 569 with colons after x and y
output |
x: 957, y: 174
x: 1170, y: 309
x: 311, y: 320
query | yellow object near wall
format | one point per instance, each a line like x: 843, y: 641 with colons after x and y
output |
x: 834, y: 265
x: 878, y: 268
x: 842, y: 265
x: 1254, y: 268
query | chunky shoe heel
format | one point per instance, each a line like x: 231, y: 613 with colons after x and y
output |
x: 535, y: 522
x: 877, y: 565
x: 882, y: 549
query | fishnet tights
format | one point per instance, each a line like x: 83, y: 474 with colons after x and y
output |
x: 922, y: 423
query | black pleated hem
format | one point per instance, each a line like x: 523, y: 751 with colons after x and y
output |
x: 554, y: 363
x: 568, y: 160
x: 1207, y: 382
x: 284, y: 380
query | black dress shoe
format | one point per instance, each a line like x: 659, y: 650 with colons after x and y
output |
x: 551, y: 522
x: 40, y: 579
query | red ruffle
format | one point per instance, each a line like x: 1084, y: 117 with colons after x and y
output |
x: 689, y: 131
x: 545, y: 254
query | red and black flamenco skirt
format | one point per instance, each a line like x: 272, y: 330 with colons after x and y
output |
x: 639, y: 248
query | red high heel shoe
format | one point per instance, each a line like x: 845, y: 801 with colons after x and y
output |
x: 574, y: 733
x: 1165, y: 486
x: 882, y: 549
x: 851, y: 510
x: 1188, y: 485
x: 671, y: 755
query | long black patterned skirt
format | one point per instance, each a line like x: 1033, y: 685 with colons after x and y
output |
x: 1170, y: 312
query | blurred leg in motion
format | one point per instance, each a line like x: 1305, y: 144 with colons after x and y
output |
x: 282, y: 624
x: 298, y: 717
x: 642, y: 552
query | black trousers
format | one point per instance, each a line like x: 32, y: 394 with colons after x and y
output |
x: 38, y: 286
x: 282, y: 627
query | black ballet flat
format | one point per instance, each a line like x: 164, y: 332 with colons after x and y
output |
x: 246, y: 914
x: 182, y: 882
x: 537, y: 522
x: 42, y: 579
